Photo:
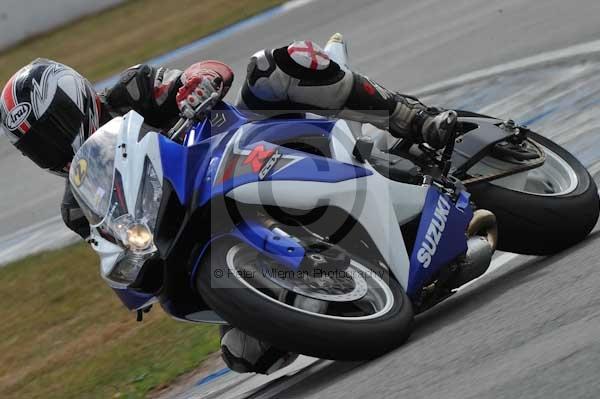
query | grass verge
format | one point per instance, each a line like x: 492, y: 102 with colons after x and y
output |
x: 103, y: 44
x: 64, y: 334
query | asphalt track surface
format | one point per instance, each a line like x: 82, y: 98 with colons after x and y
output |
x: 529, y: 330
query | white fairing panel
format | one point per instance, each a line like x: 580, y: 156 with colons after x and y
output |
x: 108, y: 252
x: 380, y: 205
x: 131, y: 166
x: 130, y: 157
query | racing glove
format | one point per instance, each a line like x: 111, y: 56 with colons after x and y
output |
x: 435, y: 126
x: 200, y: 81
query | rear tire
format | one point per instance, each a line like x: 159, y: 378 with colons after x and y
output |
x: 542, y: 225
x: 299, y: 331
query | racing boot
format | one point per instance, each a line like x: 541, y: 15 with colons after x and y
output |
x: 245, y: 354
x: 403, y: 116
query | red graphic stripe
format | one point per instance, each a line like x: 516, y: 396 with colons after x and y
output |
x: 7, y: 95
x: 25, y: 126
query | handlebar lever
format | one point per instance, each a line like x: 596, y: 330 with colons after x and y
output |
x: 446, y: 161
x: 190, y: 115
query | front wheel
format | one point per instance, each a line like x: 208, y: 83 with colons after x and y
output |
x: 355, y: 313
x: 545, y: 210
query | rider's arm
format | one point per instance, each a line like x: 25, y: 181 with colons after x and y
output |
x: 155, y: 92
x: 149, y: 91
x: 72, y: 214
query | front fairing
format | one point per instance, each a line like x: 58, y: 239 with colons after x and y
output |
x: 229, y: 151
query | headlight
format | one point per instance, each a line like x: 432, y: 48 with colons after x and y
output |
x: 135, y: 230
x: 139, y: 237
x: 133, y: 234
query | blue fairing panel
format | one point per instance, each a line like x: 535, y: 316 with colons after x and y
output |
x: 182, y: 165
x: 441, y: 238
x: 225, y: 117
x: 133, y: 299
x: 222, y: 118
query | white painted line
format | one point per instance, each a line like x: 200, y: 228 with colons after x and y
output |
x: 290, y: 5
x: 32, y: 227
x: 206, y: 41
x: 275, y: 390
x: 35, y: 238
x: 551, y: 57
x: 238, y: 386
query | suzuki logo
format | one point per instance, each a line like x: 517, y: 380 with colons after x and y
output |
x: 218, y: 120
x: 437, y: 226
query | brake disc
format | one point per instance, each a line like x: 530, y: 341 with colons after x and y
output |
x: 345, y: 285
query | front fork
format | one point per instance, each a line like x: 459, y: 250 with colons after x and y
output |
x: 294, y: 253
x: 273, y: 242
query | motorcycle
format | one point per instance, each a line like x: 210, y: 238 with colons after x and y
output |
x: 311, y: 235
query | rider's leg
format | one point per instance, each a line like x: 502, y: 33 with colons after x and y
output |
x: 245, y: 354
x: 302, y: 77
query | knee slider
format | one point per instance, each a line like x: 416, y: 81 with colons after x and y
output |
x: 261, y: 65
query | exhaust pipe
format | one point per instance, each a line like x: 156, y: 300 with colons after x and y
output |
x: 482, y: 242
x: 484, y: 224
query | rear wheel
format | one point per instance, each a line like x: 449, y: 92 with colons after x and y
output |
x: 356, y: 313
x: 545, y: 210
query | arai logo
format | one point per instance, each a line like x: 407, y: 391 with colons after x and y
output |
x: 434, y: 232
x: 17, y: 116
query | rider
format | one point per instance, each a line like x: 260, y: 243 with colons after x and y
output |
x: 48, y: 110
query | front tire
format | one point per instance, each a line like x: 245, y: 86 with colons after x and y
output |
x: 277, y: 321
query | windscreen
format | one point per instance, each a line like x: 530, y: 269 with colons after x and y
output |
x: 92, y: 173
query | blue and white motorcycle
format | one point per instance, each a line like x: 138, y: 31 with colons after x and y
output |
x: 305, y: 232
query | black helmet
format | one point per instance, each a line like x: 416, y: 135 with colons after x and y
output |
x: 48, y: 111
